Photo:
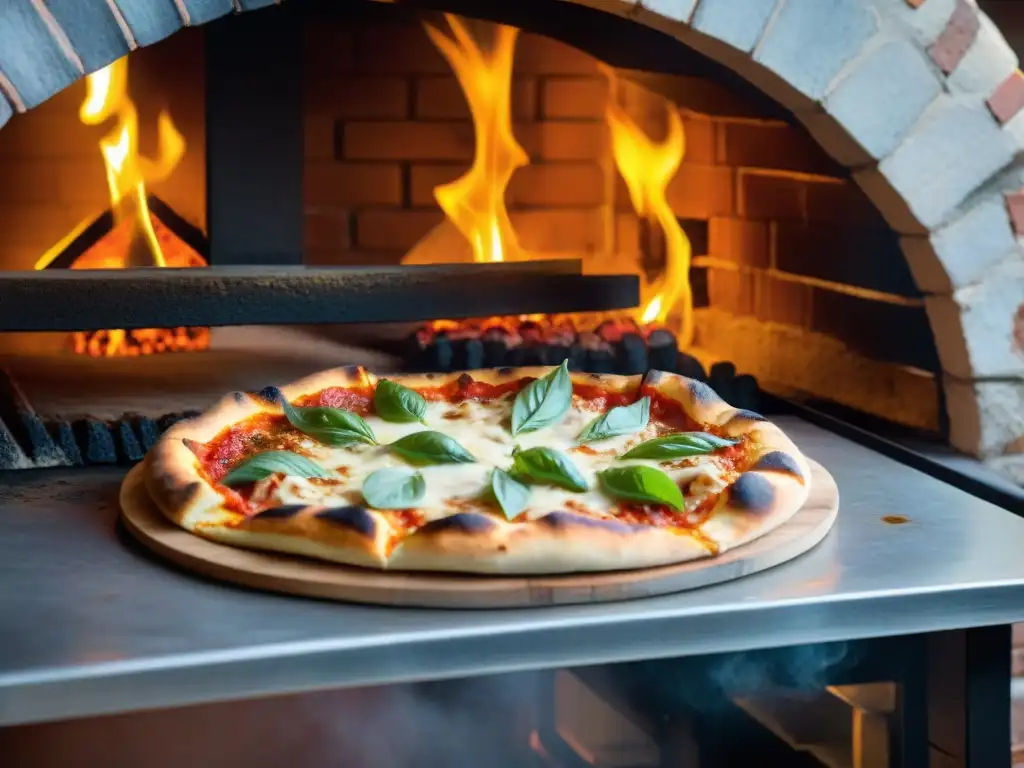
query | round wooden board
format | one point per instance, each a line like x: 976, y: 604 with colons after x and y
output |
x: 311, y: 578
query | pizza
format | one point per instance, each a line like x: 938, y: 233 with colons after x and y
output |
x: 504, y: 471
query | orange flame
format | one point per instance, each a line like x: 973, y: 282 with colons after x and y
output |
x: 647, y: 167
x: 137, y: 238
x: 475, y: 202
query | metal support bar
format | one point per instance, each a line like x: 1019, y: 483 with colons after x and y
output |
x: 969, y: 697
x: 254, y: 138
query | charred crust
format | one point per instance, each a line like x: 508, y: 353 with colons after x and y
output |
x: 702, y: 394
x: 506, y: 371
x: 192, y: 445
x: 562, y: 520
x: 779, y: 461
x: 430, y: 376
x: 752, y: 492
x: 240, y: 397
x: 460, y: 522
x: 351, y: 371
x: 270, y: 394
x: 353, y: 517
x: 745, y: 415
x: 280, y: 513
x: 464, y: 381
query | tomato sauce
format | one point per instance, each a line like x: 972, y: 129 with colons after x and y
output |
x: 670, y: 412
x: 601, y: 399
x: 358, y: 400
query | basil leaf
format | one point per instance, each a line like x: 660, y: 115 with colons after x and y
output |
x: 644, y: 484
x: 399, y: 404
x: 510, y: 494
x: 267, y: 463
x: 546, y: 465
x: 678, y: 446
x: 543, y: 402
x: 620, y: 420
x: 393, y: 488
x: 330, y: 426
x: 431, y: 448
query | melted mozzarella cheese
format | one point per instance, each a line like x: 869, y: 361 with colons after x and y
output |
x: 483, y: 430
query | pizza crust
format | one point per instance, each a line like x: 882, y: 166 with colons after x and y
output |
x: 767, y: 494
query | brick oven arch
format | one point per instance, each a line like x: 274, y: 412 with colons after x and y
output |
x: 920, y: 99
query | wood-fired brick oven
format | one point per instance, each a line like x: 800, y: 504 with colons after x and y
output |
x: 903, y: 309
x: 853, y: 203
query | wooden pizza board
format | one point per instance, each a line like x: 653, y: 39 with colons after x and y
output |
x: 311, y: 578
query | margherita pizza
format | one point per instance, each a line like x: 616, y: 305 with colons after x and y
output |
x: 529, y: 471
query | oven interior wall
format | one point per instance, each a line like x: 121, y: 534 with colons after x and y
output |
x: 798, y: 279
x: 53, y: 175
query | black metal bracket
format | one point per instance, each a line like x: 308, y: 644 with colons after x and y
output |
x: 254, y: 138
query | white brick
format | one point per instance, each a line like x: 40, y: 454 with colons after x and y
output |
x: 881, y: 99
x: 961, y: 252
x: 736, y: 22
x: 974, y: 327
x: 835, y: 139
x: 953, y: 150
x: 1011, y: 466
x: 987, y: 63
x: 810, y: 40
x: 985, y: 417
x: 677, y: 10
x: 923, y: 24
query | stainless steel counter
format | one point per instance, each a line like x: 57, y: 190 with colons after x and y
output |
x: 90, y: 624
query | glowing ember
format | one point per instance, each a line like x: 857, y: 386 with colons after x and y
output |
x: 475, y: 202
x: 137, y: 238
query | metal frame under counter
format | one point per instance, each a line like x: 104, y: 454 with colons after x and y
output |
x: 91, y: 624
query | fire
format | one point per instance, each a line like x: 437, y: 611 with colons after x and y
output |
x: 647, y: 167
x: 137, y: 238
x: 475, y: 202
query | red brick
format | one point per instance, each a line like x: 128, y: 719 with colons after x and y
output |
x: 550, y: 184
x: 956, y: 38
x: 783, y: 301
x: 701, y: 191
x: 352, y: 184
x: 1015, y: 206
x: 397, y: 48
x: 742, y: 242
x: 354, y: 96
x: 538, y: 55
x: 40, y: 225
x: 557, y: 185
x: 567, y: 231
x: 769, y: 196
x: 407, y: 140
x: 700, y: 140
x: 326, y: 231
x: 574, y: 97
x: 319, y: 141
x: 1008, y: 99
x: 551, y: 140
x: 393, y: 229
x: 731, y: 290
x: 328, y: 48
x: 442, y: 97
x: 424, y: 178
x: 36, y: 180
x: 842, y: 202
x: 777, y: 146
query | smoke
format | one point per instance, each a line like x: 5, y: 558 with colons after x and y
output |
x: 802, y: 668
